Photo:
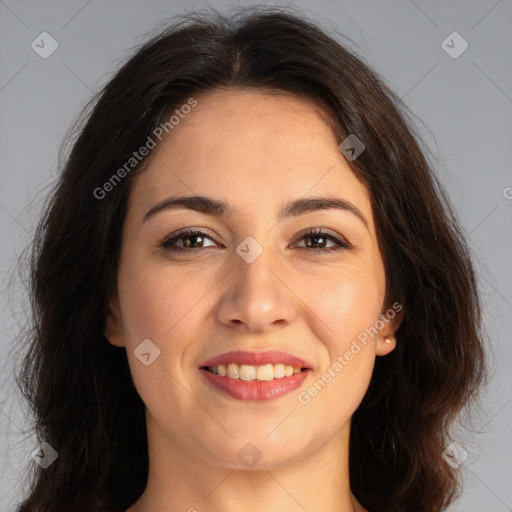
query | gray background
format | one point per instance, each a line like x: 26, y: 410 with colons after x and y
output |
x: 463, y: 108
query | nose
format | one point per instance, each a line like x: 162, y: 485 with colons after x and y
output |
x: 257, y: 297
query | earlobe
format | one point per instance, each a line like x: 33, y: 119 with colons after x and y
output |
x: 385, y: 345
x: 386, y: 341
x: 112, y: 324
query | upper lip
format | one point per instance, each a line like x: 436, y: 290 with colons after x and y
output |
x: 256, y: 359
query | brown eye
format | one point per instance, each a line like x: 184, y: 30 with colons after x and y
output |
x: 319, y: 237
x: 194, y: 236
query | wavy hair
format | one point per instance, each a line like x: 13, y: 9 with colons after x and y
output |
x: 79, y: 386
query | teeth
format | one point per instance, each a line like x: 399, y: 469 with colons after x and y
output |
x: 265, y: 372
x: 233, y: 371
x: 278, y: 371
x: 249, y: 372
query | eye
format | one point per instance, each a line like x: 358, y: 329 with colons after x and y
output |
x: 319, y: 237
x: 195, y: 236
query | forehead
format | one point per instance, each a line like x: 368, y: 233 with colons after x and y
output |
x: 253, y: 149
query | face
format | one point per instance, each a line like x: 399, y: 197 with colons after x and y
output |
x: 253, y: 281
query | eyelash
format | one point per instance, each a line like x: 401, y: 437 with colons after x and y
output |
x: 168, y: 242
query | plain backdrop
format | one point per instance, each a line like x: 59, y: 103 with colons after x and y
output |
x: 463, y: 108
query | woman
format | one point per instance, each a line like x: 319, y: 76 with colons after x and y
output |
x: 250, y: 290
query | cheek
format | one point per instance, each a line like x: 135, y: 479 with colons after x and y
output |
x: 348, y: 301
x: 346, y: 363
x: 161, y: 306
x: 157, y: 301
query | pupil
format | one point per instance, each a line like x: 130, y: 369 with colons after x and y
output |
x: 190, y: 237
x: 315, y: 238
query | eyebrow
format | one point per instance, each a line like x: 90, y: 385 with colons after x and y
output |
x: 219, y: 208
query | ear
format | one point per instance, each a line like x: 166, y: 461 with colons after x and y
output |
x: 386, y: 340
x: 113, y: 331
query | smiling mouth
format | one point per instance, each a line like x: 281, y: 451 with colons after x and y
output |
x: 246, y: 372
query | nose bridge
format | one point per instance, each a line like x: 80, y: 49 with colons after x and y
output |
x: 252, y: 269
x: 257, y: 298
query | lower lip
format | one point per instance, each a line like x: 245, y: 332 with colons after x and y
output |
x: 255, y: 389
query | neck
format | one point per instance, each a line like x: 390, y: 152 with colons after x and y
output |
x: 179, y: 480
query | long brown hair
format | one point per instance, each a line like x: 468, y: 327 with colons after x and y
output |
x: 79, y: 386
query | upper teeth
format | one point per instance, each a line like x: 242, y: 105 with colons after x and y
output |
x: 248, y: 372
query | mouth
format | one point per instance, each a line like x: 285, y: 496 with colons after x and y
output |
x: 255, y: 376
x: 246, y: 372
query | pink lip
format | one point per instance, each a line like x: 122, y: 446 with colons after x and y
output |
x: 257, y: 359
x: 255, y: 389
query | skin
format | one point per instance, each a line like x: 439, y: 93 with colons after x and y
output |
x: 256, y: 151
